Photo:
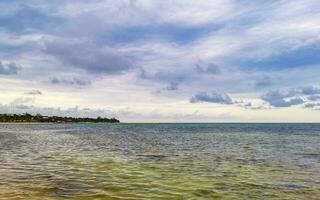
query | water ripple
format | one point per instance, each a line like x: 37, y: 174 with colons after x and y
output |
x: 159, y: 161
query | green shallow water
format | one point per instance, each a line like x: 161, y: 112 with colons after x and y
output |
x: 160, y: 161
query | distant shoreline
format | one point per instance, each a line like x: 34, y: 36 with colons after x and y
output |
x: 28, y: 118
x: 159, y: 123
x: 60, y: 123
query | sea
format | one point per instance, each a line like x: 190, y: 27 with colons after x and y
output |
x: 166, y: 161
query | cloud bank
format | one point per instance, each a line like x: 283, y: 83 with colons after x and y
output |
x: 213, y: 97
x: 152, y: 54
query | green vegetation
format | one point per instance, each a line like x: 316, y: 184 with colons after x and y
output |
x: 18, y: 118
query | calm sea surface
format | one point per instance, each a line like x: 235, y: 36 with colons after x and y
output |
x: 159, y: 161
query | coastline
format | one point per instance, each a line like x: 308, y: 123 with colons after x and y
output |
x: 38, y: 118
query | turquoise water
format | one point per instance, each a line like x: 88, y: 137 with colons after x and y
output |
x: 159, y: 161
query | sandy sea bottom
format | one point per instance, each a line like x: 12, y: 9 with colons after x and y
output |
x: 160, y: 161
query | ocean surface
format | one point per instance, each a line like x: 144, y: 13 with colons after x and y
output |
x: 159, y: 161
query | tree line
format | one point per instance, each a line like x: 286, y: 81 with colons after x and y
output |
x: 52, y: 119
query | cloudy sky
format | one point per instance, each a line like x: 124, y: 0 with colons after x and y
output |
x: 170, y: 60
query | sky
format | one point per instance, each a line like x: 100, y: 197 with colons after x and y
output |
x: 162, y: 61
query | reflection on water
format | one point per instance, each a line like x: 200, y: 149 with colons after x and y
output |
x: 159, y: 161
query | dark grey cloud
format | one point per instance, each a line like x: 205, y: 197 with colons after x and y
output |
x: 314, y: 97
x: 25, y: 18
x: 312, y: 105
x: 291, y: 96
x: 210, y: 68
x: 88, y: 56
x: 33, y: 92
x: 71, y: 81
x: 213, y: 97
x: 170, y: 76
x: 9, y: 69
x: 280, y: 99
x: 173, y: 79
x: 309, y: 90
x: 264, y: 82
x: 295, y: 101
